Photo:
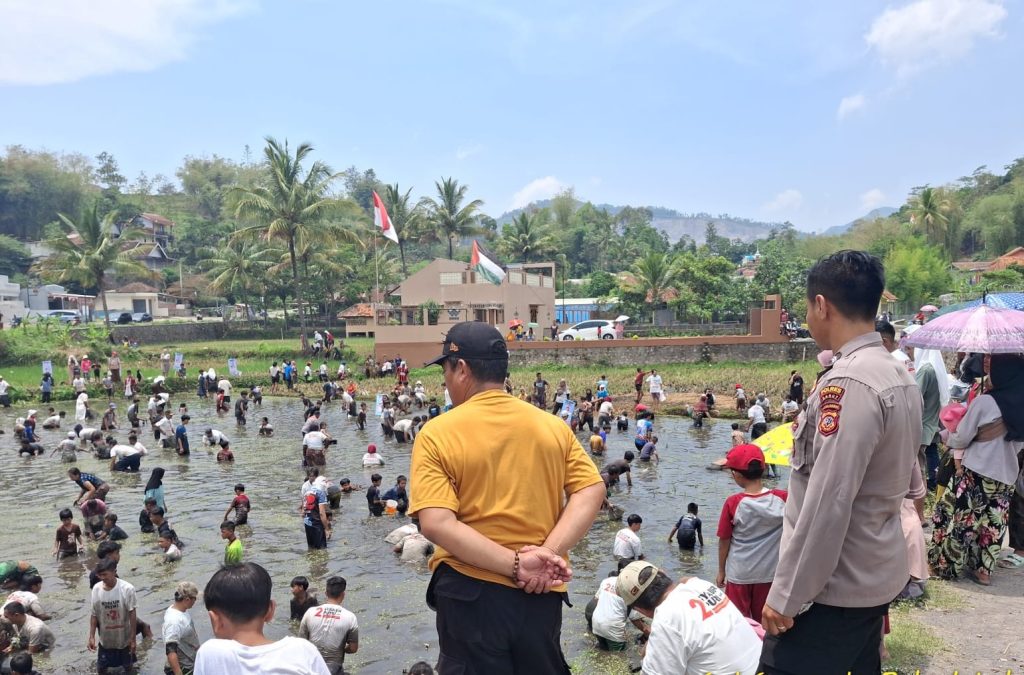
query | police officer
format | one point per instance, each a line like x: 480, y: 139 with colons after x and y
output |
x: 843, y: 556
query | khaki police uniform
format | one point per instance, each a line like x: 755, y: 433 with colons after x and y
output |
x: 854, y: 447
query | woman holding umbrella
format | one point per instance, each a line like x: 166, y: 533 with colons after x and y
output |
x: 971, y: 519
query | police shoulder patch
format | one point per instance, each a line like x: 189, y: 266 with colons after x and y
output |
x: 828, y: 419
x: 831, y: 393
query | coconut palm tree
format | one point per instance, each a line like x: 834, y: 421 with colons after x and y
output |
x: 87, y: 251
x: 448, y: 215
x: 930, y: 211
x: 529, y: 237
x: 405, y: 219
x: 238, y: 267
x: 654, y: 274
x: 294, y: 207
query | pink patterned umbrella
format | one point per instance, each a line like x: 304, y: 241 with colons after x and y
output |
x: 984, y: 329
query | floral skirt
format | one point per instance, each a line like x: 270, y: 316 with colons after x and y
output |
x: 969, y: 524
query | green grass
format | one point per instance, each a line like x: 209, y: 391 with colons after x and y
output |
x: 911, y: 643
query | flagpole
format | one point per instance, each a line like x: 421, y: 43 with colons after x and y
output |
x: 376, y: 271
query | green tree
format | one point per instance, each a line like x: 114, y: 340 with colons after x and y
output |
x: 600, y: 285
x: 360, y: 186
x: 563, y: 206
x: 447, y: 214
x: 206, y: 182
x: 993, y: 218
x: 238, y: 268
x: 654, y: 276
x: 529, y: 237
x: 781, y: 270
x: 34, y: 186
x: 404, y: 217
x: 293, y: 208
x: 930, y: 213
x: 86, y: 250
x: 917, y: 272
x: 14, y: 256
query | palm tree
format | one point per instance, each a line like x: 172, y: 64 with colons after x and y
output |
x: 293, y: 208
x: 528, y: 238
x: 929, y: 212
x: 406, y: 220
x: 447, y: 213
x: 238, y: 267
x: 655, y: 274
x: 87, y: 251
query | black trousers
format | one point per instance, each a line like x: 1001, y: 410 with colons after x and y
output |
x: 484, y: 627
x: 827, y: 640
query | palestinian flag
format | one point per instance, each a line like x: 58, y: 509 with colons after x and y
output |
x: 485, y: 266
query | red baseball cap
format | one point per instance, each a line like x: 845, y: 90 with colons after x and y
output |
x: 740, y: 457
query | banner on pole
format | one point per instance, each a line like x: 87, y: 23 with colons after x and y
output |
x: 48, y: 367
x: 378, y: 408
x: 233, y: 367
x: 179, y: 358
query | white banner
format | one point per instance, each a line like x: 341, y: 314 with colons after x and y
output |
x: 379, y: 405
x: 48, y: 367
x: 233, y: 367
x: 178, y: 359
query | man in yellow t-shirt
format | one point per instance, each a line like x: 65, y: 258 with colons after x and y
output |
x: 504, y: 490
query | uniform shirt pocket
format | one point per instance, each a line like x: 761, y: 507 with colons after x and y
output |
x: 803, y: 442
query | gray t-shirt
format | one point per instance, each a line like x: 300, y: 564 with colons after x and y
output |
x: 112, y: 609
x: 35, y: 633
x: 329, y: 627
x: 179, y: 629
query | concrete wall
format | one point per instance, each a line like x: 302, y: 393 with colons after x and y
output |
x: 658, y: 350
x: 207, y: 329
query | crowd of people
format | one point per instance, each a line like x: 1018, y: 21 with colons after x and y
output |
x: 501, y: 488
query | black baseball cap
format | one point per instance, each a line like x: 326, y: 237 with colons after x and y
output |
x: 473, y: 340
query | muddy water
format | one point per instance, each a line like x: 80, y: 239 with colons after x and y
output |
x: 396, y: 628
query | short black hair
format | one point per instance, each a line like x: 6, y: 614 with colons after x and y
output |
x: 629, y: 456
x: 30, y: 581
x: 692, y: 508
x: 885, y: 329
x: 376, y: 478
x: 65, y: 514
x: 649, y: 599
x: 240, y: 487
x: 111, y: 516
x: 300, y: 581
x: 336, y: 586
x: 623, y: 562
x: 228, y: 525
x: 106, y: 548
x: 735, y: 426
x: 401, y: 478
x: 853, y: 281
x: 484, y: 370
x: 753, y: 471
x: 14, y: 608
x: 106, y: 565
x: 21, y: 663
x: 418, y: 668
x: 239, y: 592
x: 185, y: 417
x: 634, y: 519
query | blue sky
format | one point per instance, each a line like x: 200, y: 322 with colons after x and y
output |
x: 809, y: 111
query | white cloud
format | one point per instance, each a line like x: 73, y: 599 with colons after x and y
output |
x: 467, y: 151
x: 850, y: 104
x: 787, y: 200
x: 57, y: 41
x: 541, y: 188
x: 872, y: 199
x: 928, y: 32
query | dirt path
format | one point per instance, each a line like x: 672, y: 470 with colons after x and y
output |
x: 984, y: 636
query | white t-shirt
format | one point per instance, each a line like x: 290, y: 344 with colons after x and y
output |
x: 123, y: 451
x: 447, y: 398
x: 85, y: 433
x: 405, y: 426
x: 274, y: 371
x: 28, y: 599
x: 415, y: 547
x: 627, y: 544
x: 697, y: 630
x: 111, y: 609
x: 287, y: 656
x: 606, y: 409
x: 51, y: 421
x: 4, y: 384
x: 329, y: 627
x: 610, y: 615
x: 740, y: 393
x: 756, y: 413
x: 323, y: 368
x: 224, y: 386
x: 654, y: 381
x: 372, y: 459
x: 215, y: 437
x: 399, y: 533
x: 790, y: 406
x: 165, y: 427
x: 314, y: 440
x: 172, y: 553
x: 178, y: 627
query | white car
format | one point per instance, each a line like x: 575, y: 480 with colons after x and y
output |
x: 594, y: 329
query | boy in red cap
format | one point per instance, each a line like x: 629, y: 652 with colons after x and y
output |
x: 749, y: 532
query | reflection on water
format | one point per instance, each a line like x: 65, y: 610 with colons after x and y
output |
x: 396, y: 628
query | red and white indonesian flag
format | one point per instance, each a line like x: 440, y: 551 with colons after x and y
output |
x: 486, y: 267
x: 382, y: 220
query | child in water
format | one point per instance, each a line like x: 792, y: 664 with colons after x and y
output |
x: 265, y: 428
x: 225, y: 454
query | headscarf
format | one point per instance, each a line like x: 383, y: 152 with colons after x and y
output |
x: 155, y: 479
x: 934, y: 357
x: 1007, y: 373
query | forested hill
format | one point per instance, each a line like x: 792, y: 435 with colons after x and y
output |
x: 677, y: 225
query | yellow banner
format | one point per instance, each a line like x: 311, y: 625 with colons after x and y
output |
x: 777, y: 444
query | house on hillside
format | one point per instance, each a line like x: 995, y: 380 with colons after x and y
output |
x: 446, y: 292
x: 157, y: 235
x: 361, y: 318
x: 138, y: 297
x: 970, y: 270
x: 1012, y: 257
